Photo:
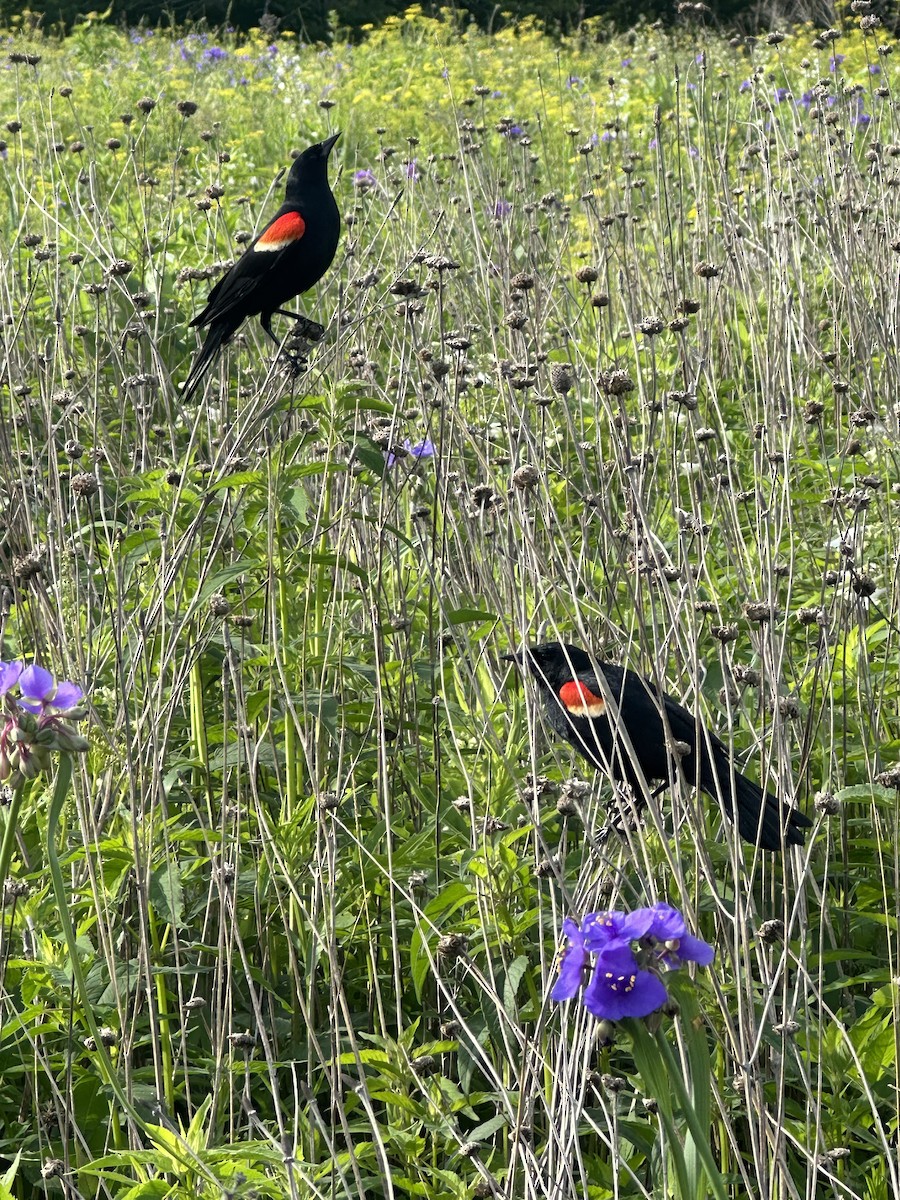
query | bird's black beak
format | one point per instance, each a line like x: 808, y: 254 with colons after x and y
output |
x: 514, y: 656
x: 328, y: 143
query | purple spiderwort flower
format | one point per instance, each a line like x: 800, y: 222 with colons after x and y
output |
x: 41, y: 693
x: 835, y: 61
x: 574, y: 81
x: 746, y: 86
x: 669, y: 928
x: 502, y: 208
x: 619, y: 988
x: 572, y: 960
x: 412, y: 172
x: 33, y: 727
x: 782, y: 94
x: 364, y: 180
x: 9, y: 675
x: 625, y: 954
x: 423, y: 449
x: 874, y: 68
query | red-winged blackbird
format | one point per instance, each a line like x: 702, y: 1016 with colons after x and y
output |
x: 578, y: 710
x: 291, y: 254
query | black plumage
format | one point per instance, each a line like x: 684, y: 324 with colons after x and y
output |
x: 578, y: 709
x: 288, y: 257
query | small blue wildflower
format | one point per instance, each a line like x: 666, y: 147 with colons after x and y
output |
x: 806, y: 99
x: 874, y: 68
x: 215, y: 54
x: 835, y: 62
x: 514, y: 131
x: 781, y: 94
x: 693, y: 152
x: 502, y: 208
x: 411, y: 171
x: 746, y: 86
x: 364, y: 179
x: 445, y: 74
x: 626, y: 63
x: 574, y: 81
x: 653, y: 144
x: 496, y: 95
x: 606, y: 136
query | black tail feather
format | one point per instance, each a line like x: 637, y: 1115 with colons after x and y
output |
x: 762, y: 818
x: 219, y: 333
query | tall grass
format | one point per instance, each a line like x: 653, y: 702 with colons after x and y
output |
x: 641, y: 298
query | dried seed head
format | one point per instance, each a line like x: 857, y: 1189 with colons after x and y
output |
x: 523, y: 282
x: 84, y: 484
x: 587, y: 274
x: 452, y: 946
x: 759, y: 611
x: 829, y: 805
x: 651, y: 326
x: 747, y: 675
x: 771, y: 931
x: 525, y: 477
x: 813, y: 615
x: 725, y: 633
x: 219, y: 605
x: 145, y: 105
x: 863, y: 585
x: 707, y: 270
x: 562, y: 378
x: 187, y: 108
x: 615, y: 383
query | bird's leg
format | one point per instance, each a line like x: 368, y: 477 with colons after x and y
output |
x: 296, y: 359
x: 628, y: 804
x: 306, y: 328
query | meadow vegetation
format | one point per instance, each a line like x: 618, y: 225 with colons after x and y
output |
x: 611, y: 355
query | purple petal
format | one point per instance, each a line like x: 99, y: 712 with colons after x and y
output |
x: 618, y: 988
x: 694, y: 949
x: 667, y: 922
x: 571, y: 963
x: 601, y: 928
x: 9, y: 675
x: 638, y: 924
x: 68, y: 694
x: 36, y: 684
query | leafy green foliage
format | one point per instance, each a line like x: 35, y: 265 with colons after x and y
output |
x: 638, y: 296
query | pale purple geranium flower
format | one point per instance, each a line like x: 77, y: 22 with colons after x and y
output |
x: 622, y: 956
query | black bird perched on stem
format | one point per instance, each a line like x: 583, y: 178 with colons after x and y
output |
x: 578, y: 710
x: 288, y: 257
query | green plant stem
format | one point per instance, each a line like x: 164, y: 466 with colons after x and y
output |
x: 9, y: 832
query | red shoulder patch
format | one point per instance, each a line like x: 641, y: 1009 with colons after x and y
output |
x: 578, y: 699
x: 287, y: 229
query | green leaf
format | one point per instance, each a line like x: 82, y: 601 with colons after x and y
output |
x: 165, y: 892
